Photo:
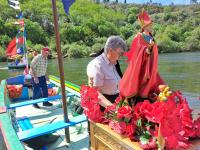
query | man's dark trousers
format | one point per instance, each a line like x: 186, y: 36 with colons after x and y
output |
x: 40, y: 89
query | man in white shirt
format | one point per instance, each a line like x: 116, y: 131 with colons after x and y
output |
x: 102, y: 72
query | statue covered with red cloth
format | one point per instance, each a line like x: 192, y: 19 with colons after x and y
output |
x: 141, y: 78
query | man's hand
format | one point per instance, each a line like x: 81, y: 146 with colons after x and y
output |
x: 103, y: 101
x: 36, y: 80
x: 148, y: 51
x: 91, y: 81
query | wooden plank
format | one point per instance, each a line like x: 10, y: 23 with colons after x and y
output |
x: 30, y: 102
x: 49, y: 128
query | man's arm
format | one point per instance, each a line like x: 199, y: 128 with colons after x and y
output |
x: 32, y: 69
x: 104, y: 101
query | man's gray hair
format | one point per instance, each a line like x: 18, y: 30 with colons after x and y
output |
x: 114, y: 42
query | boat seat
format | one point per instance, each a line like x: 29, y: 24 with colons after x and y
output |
x: 30, y: 102
x: 48, y: 128
x: 24, y: 123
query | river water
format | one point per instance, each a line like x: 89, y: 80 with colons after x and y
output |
x: 181, y: 71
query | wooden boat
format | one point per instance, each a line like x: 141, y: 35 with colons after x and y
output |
x: 27, y: 131
x: 101, y: 136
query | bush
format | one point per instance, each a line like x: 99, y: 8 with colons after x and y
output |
x: 4, y: 41
x: 126, y: 31
x: 71, y: 33
x: 107, y: 29
x: 98, y: 44
x: 193, y: 41
x: 97, y: 47
x: 78, y: 51
x: 38, y: 47
x: 2, y: 51
x: 129, y: 41
x: 166, y: 45
x: 132, y: 18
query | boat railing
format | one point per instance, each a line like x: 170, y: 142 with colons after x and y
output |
x: 8, y: 134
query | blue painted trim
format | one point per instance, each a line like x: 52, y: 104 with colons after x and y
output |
x: 24, y: 123
x: 49, y: 128
x: 30, y: 102
x: 50, y: 85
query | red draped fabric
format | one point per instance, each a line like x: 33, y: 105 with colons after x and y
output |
x: 12, y: 46
x: 11, y: 49
x: 141, y: 77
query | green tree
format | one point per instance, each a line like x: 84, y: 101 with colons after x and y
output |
x: 193, y: 41
x: 35, y: 33
x: 4, y: 41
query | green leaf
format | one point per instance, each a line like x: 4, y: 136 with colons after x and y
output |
x: 143, y: 139
x: 127, y: 120
x: 139, y: 122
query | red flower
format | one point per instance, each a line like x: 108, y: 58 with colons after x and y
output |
x: 171, y: 142
x: 173, y: 116
x: 89, y: 101
x: 94, y: 114
x: 124, y: 111
x: 137, y: 111
x: 118, y: 99
x: 111, y: 108
x: 130, y: 130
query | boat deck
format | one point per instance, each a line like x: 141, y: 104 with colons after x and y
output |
x: 44, y: 115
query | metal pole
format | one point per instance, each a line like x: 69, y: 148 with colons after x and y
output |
x: 61, y: 70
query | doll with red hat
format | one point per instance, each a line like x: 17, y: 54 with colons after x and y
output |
x: 141, y: 78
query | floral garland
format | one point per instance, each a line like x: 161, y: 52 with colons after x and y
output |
x: 165, y: 123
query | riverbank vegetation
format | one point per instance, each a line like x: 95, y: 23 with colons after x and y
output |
x: 176, y: 28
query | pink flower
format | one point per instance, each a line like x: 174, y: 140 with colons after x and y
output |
x: 150, y: 145
x: 119, y: 127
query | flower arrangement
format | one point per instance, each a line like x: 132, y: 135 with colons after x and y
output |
x: 166, y: 123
